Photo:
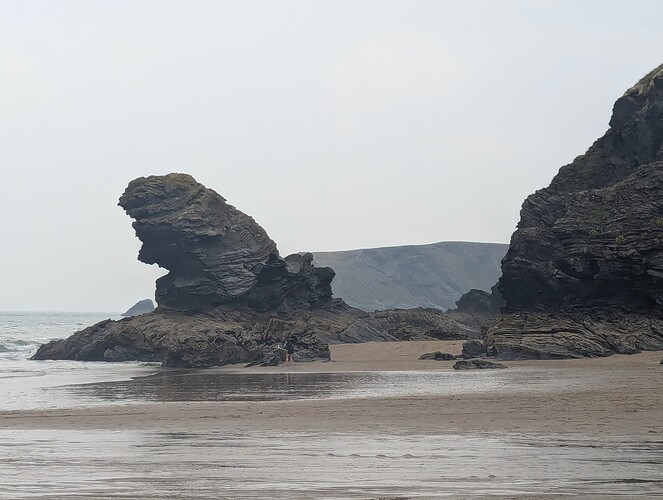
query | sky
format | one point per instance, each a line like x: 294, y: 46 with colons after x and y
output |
x: 335, y: 124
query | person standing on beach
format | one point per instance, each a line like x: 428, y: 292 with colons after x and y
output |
x: 289, y: 351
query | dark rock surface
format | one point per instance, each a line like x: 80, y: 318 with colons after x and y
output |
x: 584, y: 272
x: 229, y: 297
x: 590, y: 333
x: 473, y: 349
x: 140, y: 307
x: 216, y: 254
x: 476, y: 364
x: 594, y: 237
x: 216, y: 337
x: 426, y: 324
x: 438, y: 356
x: 481, y: 302
x: 411, y: 276
x: 229, y: 334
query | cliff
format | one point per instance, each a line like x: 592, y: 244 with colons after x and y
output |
x: 594, y: 237
x: 583, y: 275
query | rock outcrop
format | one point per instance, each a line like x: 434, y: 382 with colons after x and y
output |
x: 438, y: 356
x: 216, y: 254
x: 229, y: 297
x: 573, y: 334
x: 426, y: 324
x: 584, y: 272
x: 594, y: 237
x: 476, y: 364
x: 140, y: 307
x: 218, y: 336
x: 480, y: 302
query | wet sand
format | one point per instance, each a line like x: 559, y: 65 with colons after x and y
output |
x: 375, y: 423
x: 618, y: 395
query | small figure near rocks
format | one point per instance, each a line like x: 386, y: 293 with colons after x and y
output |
x: 438, y: 356
x: 476, y: 364
x: 289, y: 351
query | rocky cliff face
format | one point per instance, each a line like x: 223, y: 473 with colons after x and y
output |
x: 594, y: 237
x: 216, y: 254
x: 412, y: 276
x: 584, y: 272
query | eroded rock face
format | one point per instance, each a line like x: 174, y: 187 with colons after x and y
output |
x: 216, y: 254
x: 594, y: 237
x: 589, y: 333
x: 229, y: 297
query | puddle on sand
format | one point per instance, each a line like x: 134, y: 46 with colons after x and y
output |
x: 218, y: 386
x: 150, y: 465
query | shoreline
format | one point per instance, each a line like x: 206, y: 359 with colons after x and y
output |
x: 616, y: 395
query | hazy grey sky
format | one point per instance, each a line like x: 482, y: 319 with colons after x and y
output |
x: 336, y: 124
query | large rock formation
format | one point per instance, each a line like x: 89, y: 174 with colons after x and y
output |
x: 410, y: 276
x: 594, y: 237
x: 584, y: 272
x: 215, y: 254
x: 229, y: 297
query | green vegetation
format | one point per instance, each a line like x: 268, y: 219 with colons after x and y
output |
x: 620, y: 239
x: 598, y: 213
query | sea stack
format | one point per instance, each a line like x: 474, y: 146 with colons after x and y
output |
x: 229, y: 297
x: 216, y: 254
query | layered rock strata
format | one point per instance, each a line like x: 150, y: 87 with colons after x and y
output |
x: 215, y: 254
x: 229, y: 297
x: 594, y: 237
x: 583, y: 275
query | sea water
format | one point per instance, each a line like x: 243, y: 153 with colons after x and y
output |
x: 27, y: 384
x: 53, y: 464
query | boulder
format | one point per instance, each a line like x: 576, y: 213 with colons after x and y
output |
x: 480, y: 302
x: 473, y: 349
x: 476, y: 364
x: 438, y: 356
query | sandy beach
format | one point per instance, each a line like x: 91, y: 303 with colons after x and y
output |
x: 617, y: 395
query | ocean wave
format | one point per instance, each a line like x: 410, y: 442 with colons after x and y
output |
x: 21, y: 373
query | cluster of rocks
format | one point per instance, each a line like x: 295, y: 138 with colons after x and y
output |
x: 229, y: 296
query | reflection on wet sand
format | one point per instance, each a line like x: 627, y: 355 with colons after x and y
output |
x: 183, y: 385
x: 305, y: 465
